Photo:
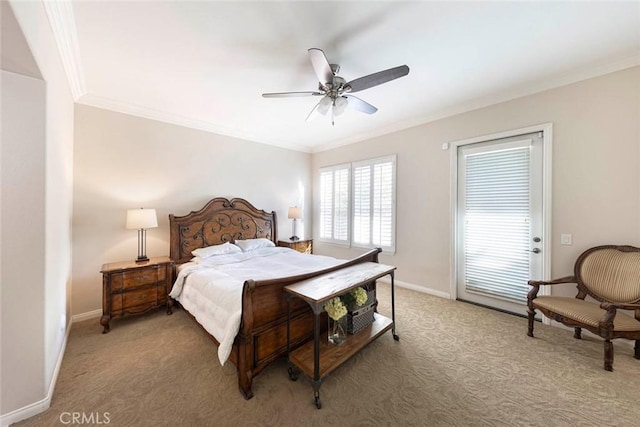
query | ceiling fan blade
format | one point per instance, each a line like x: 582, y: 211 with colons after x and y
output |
x: 356, y: 103
x: 289, y: 94
x: 378, y: 78
x: 321, y: 66
x: 313, y: 113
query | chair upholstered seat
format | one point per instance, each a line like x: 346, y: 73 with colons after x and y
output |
x: 610, y: 275
x: 585, y: 312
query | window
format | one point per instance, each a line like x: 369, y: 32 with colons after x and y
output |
x: 357, y: 205
x: 334, y: 204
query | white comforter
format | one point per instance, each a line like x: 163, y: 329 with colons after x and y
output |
x: 211, y: 290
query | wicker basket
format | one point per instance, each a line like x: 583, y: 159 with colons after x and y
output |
x: 362, y: 317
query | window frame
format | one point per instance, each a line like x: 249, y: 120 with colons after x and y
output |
x: 333, y: 169
x: 350, y: 241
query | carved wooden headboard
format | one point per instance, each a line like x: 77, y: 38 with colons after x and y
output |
x: 220, y: 220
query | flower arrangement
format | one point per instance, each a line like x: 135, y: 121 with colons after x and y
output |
x: 338, y: 307
x: 335, y: 308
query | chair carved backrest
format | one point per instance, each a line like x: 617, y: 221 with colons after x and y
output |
x: 609, y: 273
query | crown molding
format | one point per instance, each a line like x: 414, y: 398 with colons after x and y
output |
x: 584, y: 73
x: 63, y: 25
x: 175, y: 119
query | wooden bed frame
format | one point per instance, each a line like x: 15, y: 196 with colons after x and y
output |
x: 263, y: 328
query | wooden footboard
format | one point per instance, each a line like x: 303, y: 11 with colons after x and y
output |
x: 263, y: 331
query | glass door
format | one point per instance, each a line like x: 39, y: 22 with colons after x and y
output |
x: 500, y: 219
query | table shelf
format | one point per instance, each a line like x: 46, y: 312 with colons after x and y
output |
x: 332, y: 356
x: 318, y: 358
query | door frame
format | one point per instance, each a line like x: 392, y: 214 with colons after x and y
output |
x: 547, y: 149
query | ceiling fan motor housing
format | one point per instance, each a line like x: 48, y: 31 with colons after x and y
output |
x: 338, y: 85
x: 336, y: 91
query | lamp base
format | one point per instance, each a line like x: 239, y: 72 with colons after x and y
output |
x: 142, y: 246
x: 294, y: 238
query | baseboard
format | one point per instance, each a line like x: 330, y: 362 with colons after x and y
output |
x: 86, y: 316
x: 44, y: 404
x: 25, y: 412
x: 417, y: 288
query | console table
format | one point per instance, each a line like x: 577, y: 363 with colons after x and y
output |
x: 317, y: 358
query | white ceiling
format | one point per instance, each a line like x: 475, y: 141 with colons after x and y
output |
x: 205, y: 64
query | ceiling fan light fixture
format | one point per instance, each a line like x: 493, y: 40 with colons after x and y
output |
x: 324, y: 105
x: 336, y: 91
x: 339, y: 105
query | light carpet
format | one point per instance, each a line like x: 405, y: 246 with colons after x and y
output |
x: 456, y: 364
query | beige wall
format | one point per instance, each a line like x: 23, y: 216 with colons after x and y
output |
x: 37, y: 141
x: 116, y: 162
x: 123, y: 162
x: 596, y: 180
x: 23, y: 251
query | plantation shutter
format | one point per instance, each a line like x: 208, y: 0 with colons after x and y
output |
x: 326, y: 204
x: 374, y: 203
x: 361, y: 204
x: 382, y: 234
x: 334, y: 204
x: 341, y: 205
x: 497, y: 222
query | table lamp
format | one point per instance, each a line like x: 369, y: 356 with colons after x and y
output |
x: 142, y: 219
x: 295, y: 213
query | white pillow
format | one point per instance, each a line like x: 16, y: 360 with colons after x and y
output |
x: 225, y: 248
x: 252, y: 244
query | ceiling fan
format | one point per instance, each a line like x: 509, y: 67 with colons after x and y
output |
x: 336, y: 91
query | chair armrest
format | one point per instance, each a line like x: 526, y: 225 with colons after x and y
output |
x: 615, y: 305
x: 607, y: 321
x: 566, y: 279
x: 535, y: 286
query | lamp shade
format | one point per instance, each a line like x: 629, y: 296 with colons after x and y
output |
x: 295, y: 213
x: 142, y: 218
x: 339, y: 105
x: 324, y: 104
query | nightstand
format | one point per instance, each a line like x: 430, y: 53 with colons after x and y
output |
x: 130, y: 287
x: 303, y: 246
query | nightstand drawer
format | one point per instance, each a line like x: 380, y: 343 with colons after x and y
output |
x: 134, y: 301
x: 145, y: 297
x: 130, y: 287
x: 303, y: 246
x: 132, y: 279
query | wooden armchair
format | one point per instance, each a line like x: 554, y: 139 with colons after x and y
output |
x: 610, y: 275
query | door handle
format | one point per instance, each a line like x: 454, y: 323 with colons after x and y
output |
x: 535, y: 250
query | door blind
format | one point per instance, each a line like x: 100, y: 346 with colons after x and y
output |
x: 497, y: 223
